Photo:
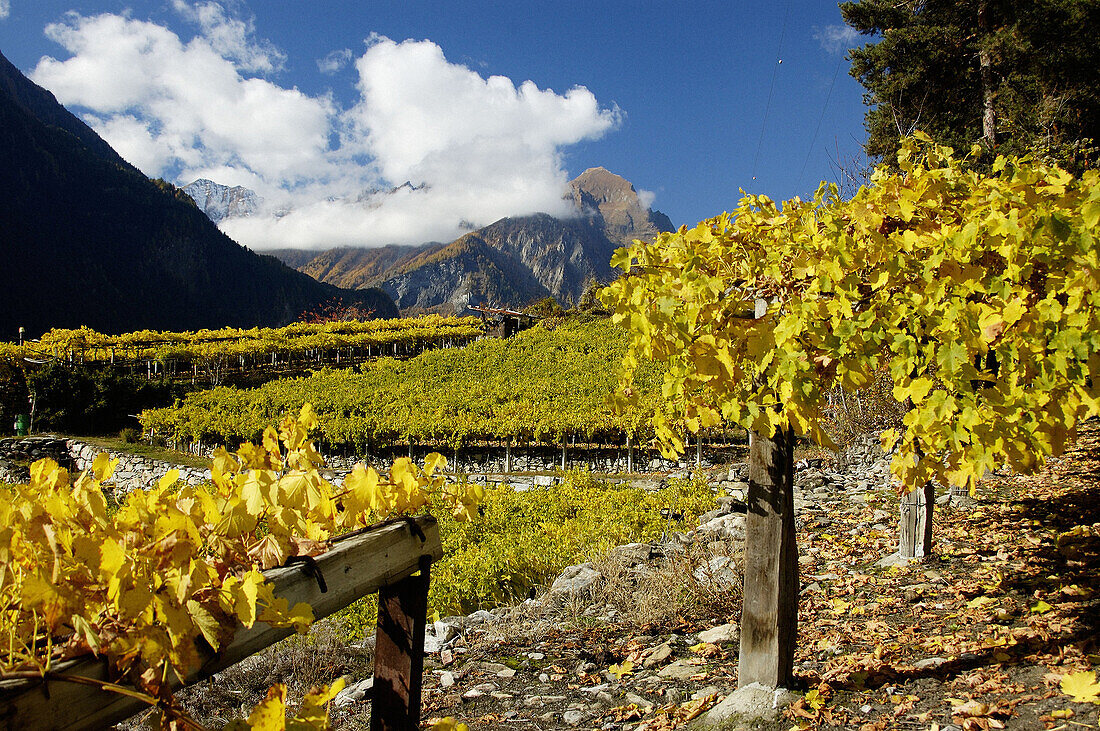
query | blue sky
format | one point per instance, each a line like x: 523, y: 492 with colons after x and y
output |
x: 486, y: 107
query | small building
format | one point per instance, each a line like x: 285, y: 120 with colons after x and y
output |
x: 503, y: 323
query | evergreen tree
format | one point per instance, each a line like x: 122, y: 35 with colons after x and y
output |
x: 1014, y: 76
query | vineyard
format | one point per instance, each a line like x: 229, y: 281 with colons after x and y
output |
x: 549, y: 384
x: 213, y: 354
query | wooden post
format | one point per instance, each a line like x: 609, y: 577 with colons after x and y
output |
x: 399, y: 653
x: 769, y: 618
x: 915, y: 522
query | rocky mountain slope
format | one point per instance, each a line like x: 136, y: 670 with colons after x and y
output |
x: 623, y: 214
x: 535, y: 256
x: 86, y: 239
x: 353, y: 268
x: 220, y: 202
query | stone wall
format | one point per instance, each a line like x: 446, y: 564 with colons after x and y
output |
x: 865, y: 451
x: 16, y: 453
x: 536, y: 467
x: 132, y: 472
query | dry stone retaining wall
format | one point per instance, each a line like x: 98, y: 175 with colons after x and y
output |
x: 132, y: 471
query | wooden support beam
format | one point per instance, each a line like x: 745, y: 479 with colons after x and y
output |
x: 769, y: 615
x: 356, y: 566
x: 399, y: 653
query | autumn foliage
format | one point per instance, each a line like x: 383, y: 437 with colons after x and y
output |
x: 179, y: 564
x: 979, y: 293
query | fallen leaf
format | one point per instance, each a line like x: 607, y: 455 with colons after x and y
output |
x: 1082, y: 687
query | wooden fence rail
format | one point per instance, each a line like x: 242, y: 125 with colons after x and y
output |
x: 380, y: 560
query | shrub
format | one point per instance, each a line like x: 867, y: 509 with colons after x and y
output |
x: 520, y: 540
x: 84, y: 400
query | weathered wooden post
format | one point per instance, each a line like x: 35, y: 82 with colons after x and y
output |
x: 769, y: 613
x: 915, y: 518
x: 769, y: 616
x: 399, y: 653
x: 915, y: 522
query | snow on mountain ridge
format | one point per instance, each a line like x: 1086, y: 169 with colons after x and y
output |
x: 220, y: 202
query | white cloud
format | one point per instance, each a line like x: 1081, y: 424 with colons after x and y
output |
x: 837, y: 38
x: 175, y: 107
x: 5, y: 9
x: 334, y: 61
x: 232, y: 37
x: 478, y: 149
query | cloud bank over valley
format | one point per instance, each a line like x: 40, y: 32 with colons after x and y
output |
x: 472, y: 149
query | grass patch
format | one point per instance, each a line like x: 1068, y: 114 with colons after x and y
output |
x: 149, y: 451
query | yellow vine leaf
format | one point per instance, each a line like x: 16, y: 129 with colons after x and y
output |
x: 449, y: 724
x: 1082, y: 687
x: 313, y: 712
x: 270, y: 714
x: 621, y: 669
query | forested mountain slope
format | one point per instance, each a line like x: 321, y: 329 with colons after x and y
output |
x: 86, y: 239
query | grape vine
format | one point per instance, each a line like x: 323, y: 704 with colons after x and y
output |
x: 543, y: 384
x: 298, y: 339
x: 179, y: 564
x: 980, y: 293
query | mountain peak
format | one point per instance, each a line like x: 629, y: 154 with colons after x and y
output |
x: 625, y: 214
x: 603, y: 185
x: 220, y: 202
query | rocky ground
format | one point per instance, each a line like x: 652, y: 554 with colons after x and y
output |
x: 991, y: 632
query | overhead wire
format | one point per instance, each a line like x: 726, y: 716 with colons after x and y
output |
x: 771, y: 88
x: 817, y: 129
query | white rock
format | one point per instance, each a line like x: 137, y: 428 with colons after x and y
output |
x: 481, y: 616
x: 354, y: 693
x: 575, y: 581
x: 573, y: 718
x: 679, y: 670
x: 657, y: 655
x: 720, y: 572
x: 730, y: 525
x: 750, y: 704
x: 723, y: 634
x: 437, y: 635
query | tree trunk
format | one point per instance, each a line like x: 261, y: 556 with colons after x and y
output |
x: 769, y: 618
x: 985, y: 62
x: 915, y: 524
